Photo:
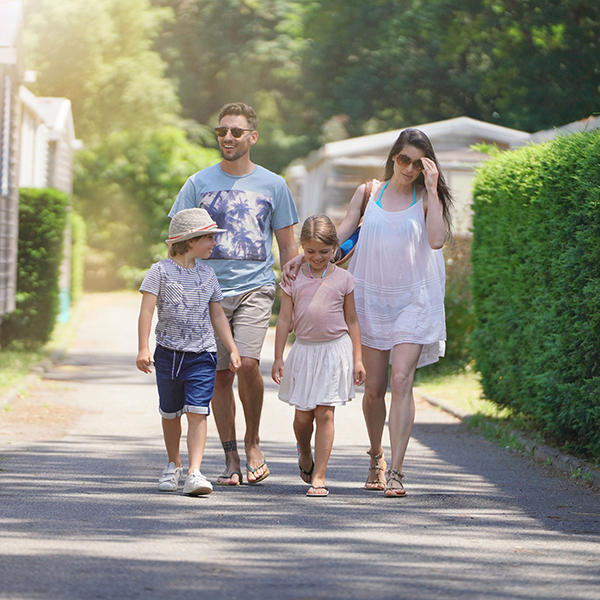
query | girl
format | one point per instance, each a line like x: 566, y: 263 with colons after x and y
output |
x: 326, y: 360
x: 399, y: 268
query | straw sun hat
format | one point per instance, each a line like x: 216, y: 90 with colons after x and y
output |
x: 191, y: 223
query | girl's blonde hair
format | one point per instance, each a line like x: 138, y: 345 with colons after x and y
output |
x: 319, y: 228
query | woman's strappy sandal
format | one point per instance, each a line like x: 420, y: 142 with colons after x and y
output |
x: 394, y: 492
x: 376, y: 483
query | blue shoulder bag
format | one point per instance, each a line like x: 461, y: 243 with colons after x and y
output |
x: 345, y: 251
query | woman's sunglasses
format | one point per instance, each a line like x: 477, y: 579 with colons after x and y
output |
x: 404, y: 161
x: 236, y: 132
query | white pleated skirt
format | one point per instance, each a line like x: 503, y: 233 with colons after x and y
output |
x: 318, y: 374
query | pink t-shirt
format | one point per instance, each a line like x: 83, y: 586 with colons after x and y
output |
x: 319, y: 305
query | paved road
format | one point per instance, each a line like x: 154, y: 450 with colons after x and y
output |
x: 81, y: 517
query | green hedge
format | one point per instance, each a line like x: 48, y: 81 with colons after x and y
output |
x: 536, y: 286
x: 42, y: 219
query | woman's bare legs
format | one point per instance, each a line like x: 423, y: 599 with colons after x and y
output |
x: 402, y: 410
x: 376, y: 365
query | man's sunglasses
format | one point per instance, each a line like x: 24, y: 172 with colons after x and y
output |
x: 236, y: 132
x: 404, y: 161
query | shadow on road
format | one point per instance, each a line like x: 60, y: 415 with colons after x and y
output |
x: 81, y: 517
x: 109, y: 521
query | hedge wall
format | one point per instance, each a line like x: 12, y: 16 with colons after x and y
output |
x: 536, y: 285
x: 42, y: 219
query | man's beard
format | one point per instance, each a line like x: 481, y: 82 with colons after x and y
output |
x: 239, y: 152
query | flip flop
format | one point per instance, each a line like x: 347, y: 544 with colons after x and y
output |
x: 307, y: 474
x: 315, y: 494
x: 220, y: 479
x: 251, y: 470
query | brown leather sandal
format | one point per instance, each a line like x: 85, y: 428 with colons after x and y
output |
x: 394, y: 492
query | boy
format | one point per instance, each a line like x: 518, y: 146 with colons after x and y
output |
x: 188, y: 301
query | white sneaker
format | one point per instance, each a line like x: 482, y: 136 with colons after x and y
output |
x: 170, y: 478
x: 197, y: 485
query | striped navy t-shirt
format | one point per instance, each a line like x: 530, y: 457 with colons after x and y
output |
x: 182, y: 305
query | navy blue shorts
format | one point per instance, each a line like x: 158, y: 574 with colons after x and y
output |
x: 186, y: 381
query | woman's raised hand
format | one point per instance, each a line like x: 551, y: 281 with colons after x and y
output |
x: 291, y: 268
x: 430, y: 174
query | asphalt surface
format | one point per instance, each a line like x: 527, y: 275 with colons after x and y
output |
x: 81, y: 518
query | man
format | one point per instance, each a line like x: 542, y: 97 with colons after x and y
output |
x: 251, y: 204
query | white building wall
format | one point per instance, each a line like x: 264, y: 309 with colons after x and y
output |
x: 33, y: 170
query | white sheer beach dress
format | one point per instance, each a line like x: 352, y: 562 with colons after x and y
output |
x: 400, y: 282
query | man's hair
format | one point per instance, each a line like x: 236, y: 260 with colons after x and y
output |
x: 180, y: 247
x: 239, y: 108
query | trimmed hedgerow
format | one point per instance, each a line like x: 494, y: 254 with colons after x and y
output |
x: 42, y: 219
x: 536, y: 285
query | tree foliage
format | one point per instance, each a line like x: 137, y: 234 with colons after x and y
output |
x: 519, y: 63
x: 224, y: 51
x: 315, y: 71
x: 100, y: 56
x: 325, y: 69
x: 538, y: 61
x: 125, y: 188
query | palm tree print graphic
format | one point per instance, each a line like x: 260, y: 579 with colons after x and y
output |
x: 244, y: 215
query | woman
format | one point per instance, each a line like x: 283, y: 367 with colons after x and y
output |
x: 399, y: 268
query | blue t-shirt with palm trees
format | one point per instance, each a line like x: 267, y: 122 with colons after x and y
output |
x: 249, y: 207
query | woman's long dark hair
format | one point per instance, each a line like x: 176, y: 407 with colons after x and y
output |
x: 416, y: 138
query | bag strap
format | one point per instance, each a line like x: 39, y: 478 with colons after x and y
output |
x: 366, y: 196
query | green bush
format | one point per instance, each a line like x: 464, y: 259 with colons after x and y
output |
x: 42, y: 220
x: 536, y: 286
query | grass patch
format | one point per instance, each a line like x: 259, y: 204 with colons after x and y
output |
x: 463, y: 390
x: 503, y: 426
x: 497, y: 430
x: 16, y: 364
